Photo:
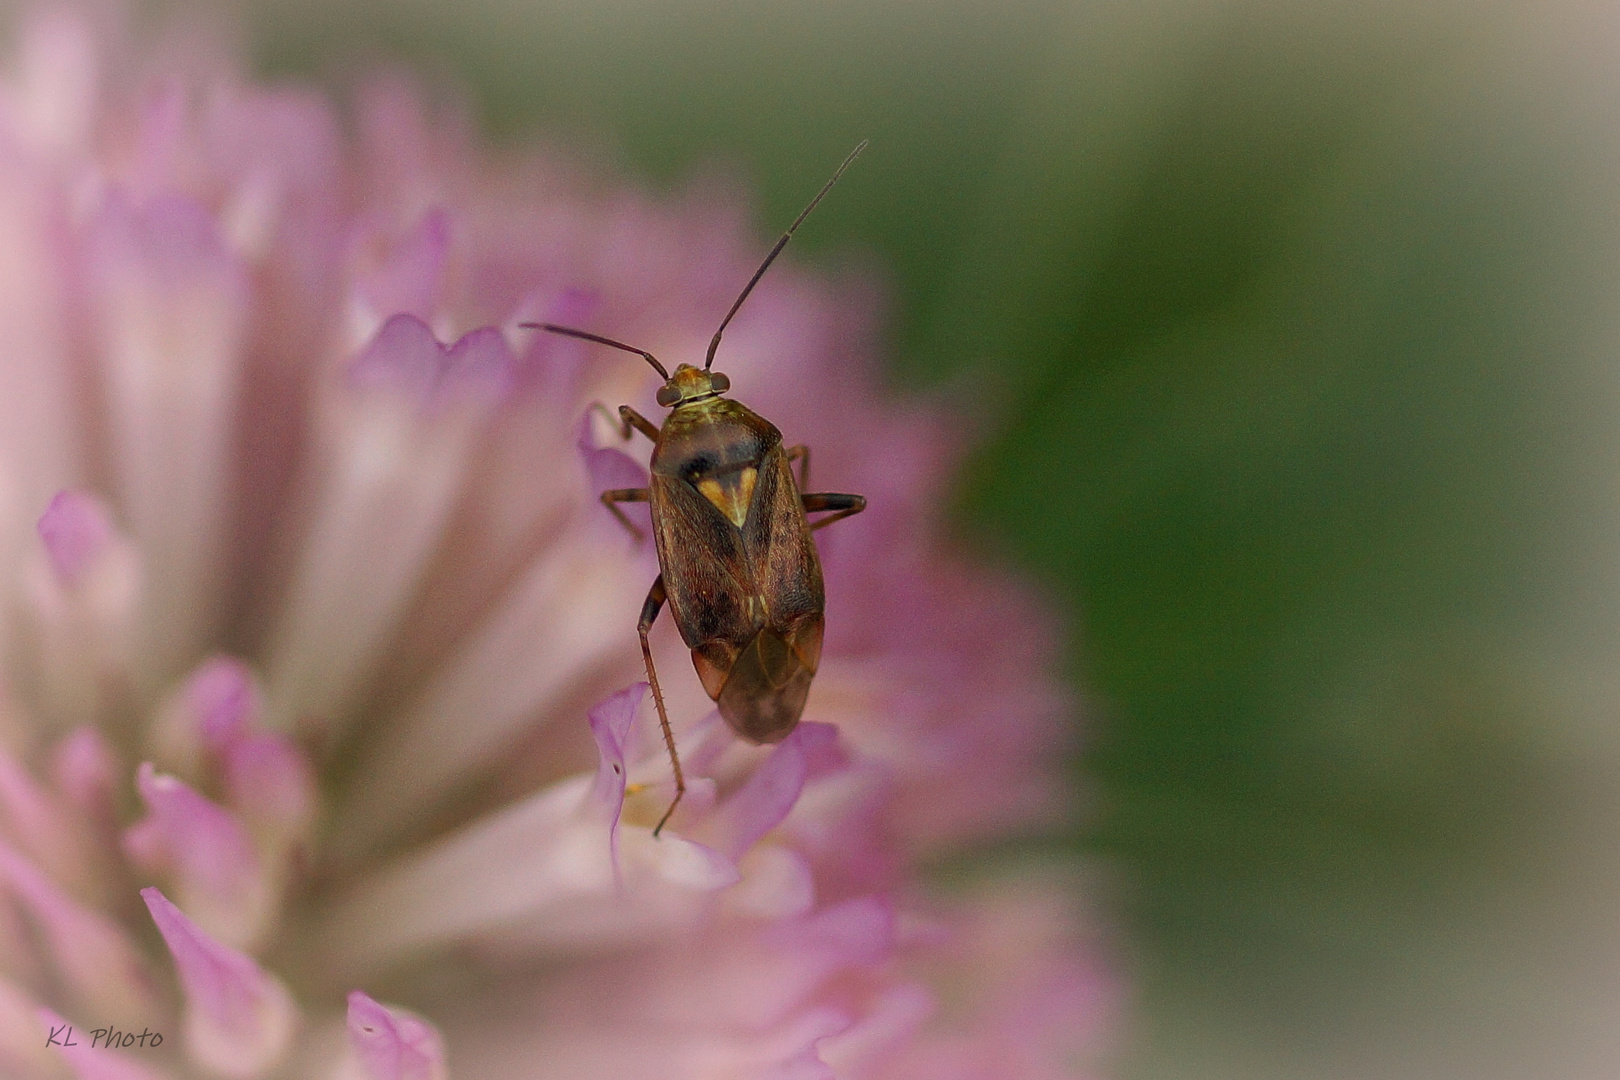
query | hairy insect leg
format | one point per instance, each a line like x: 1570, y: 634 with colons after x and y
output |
x: 628, y: 420
x: 649, y: 612
x: 846, y: 505
x: 802, y: 453
x: 613, y: 496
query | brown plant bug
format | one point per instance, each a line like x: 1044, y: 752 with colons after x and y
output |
x: 735, y: 558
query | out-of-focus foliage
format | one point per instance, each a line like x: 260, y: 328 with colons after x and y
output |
x: 1291, y: 332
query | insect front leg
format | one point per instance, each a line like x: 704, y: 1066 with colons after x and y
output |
x: 846, y: 505
x: 613, y: 496
x: 802, y: 452
x: 628, y: 420
x: 649, y: 613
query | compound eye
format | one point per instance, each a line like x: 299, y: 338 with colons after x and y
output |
x: 719, y: 383
x: 668, y: 395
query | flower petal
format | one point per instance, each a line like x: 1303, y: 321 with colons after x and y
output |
x: 611, y: 721
x: 211, y: 709
x: 88, y: 953
x: 239, y: 1020
x: 889, y: 1021
x: 683, y: 862
x: 77, y: 532
x: 529, y: 856
x: 269, y: 782
x: 54, y: 98
x: 224, y: 700
x: 84, y: 768
x: 538, y: 873
x: 856, y: 932
x: 382, y: 488
x: 391, y: 1044
x: 479, y: 369
x: 45, y: 830
x: 22, y: 1051
x: 403, y: 358
x: 552, y: 360
x: 804, y: 1036
x: 81, y: 590
x: 209, y: 855
x: 170, y: 319
x: 570, y: 607
x: 769, y: 794
x: 37, y: 429
x: 410, y: 278
x: 776, y: 883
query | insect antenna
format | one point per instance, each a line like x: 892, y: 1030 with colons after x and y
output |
x: 568, y: 331
x: 777, y: 250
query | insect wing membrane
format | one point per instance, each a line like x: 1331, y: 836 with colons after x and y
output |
x: 781, y: 553
x: 769, y: 680
x: 765, y: 690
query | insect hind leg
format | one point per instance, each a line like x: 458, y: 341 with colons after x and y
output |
x: 845, y: 505
x: 649, y: 613
x: 801, y: 453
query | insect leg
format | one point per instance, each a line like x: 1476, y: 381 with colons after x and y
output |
x: 649, y: 612
x: 628, y: 420
x: 613, y: 496
x: 802, y: 452
x: 846, y: 505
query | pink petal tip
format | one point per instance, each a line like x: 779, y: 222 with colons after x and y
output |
x: 391, y: 1044
x: 479, y: 365
x: 215, y: 866
x: 222, y: 698
x: 239, y: 1019
x: 85, y: 770
x: 403, y: 356
x: 76, y: 530
x: 406, y: 357
x: 611, y: 721
x: 409, y: 280
x: 767, y: 798
x: 270, y: 782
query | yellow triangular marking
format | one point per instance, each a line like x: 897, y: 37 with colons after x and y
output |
x: 732, y: 494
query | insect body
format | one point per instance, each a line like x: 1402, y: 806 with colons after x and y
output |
x: 736, y: 561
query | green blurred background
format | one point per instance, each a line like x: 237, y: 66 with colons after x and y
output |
x: 1293, y: 329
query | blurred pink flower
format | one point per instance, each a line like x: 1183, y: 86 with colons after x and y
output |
x: 307, y: 609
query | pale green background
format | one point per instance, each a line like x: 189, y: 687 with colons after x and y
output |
x: 1292, y: 331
